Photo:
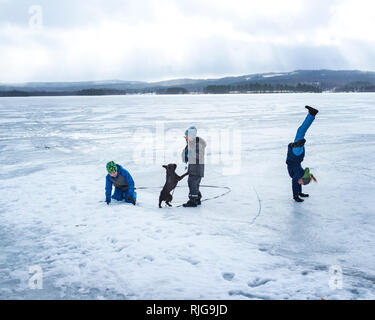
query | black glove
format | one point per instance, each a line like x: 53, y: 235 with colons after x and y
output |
x: 108, y: 202
x: 186, y: 160
x: 131, y: 199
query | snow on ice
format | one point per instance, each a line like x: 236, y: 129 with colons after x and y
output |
x: 253, y: 243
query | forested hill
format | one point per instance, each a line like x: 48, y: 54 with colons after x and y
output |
x: 296, y: 81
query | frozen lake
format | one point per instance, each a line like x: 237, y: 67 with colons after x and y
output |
x: 253, y: 243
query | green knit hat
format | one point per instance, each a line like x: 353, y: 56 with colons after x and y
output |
x: 111, y: 167
x: 306, y: 177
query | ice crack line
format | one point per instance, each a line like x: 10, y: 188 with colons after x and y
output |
x: 260, y: 207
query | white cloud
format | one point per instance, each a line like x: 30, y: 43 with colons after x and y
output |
x: 160, y: 39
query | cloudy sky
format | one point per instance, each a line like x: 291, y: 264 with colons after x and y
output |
x: 74, y: 40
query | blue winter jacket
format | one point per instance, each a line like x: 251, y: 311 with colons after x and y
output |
x: 294, y: 160
x: 295, y: 169
x: 119, y: 194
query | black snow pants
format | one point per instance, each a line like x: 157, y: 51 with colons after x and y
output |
x: 194, y: 193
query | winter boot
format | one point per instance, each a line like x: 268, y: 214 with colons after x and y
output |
x: 312, y: 111
x: 304, y: 195
x: 298, y: 199
x: 199, y: 202
x: 190, y: 204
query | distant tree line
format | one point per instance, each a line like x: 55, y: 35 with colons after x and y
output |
x: 261, y: 88
x: 92, y: 92
x: 357, y: 87
x: 86, y: 92
x: 211, y: 89
x: 172, y: 90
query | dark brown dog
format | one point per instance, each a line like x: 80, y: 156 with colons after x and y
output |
x: 172, y: 179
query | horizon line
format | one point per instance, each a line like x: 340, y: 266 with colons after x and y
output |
x: 187, y: 78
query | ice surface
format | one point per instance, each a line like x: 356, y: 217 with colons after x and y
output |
x: 53, y: 153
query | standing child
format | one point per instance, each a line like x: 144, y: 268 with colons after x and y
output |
x: 193, y: 155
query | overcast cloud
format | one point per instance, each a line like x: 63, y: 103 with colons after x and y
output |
x: 163, y: 39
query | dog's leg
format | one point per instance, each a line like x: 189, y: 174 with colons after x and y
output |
x: 169, y: 200
x: 162, y: 197
x: 183, y: 176
x: 160, y: 201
